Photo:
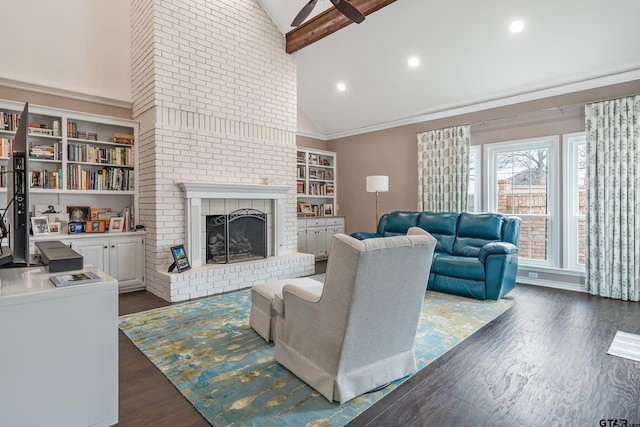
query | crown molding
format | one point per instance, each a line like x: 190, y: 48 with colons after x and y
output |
x: 49, y: 90
x: 594, y: 83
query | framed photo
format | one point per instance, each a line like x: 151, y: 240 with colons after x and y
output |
x: 94, y: 213
x: 305, y: 208
x: 180, y: 258
x: 40, y: 225
x: 116, y: 224
x: 62, y: 218
x: 42, y: 210
x: 95, y: 227
x: 327, y: 210
x: 78, y: 213
x: 75, y: 227
x: 54, y: 228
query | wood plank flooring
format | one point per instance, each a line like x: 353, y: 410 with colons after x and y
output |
x: 542, y: 363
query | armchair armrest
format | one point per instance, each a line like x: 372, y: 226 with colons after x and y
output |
x: 496, y: 248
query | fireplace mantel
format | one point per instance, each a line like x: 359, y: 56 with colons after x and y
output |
x: 195, y: 192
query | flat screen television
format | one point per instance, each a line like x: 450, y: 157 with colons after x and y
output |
x: 18, y: 195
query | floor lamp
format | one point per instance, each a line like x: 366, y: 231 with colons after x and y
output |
x: 377, y: 184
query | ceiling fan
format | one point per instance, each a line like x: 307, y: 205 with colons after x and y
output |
x: 346, y: 8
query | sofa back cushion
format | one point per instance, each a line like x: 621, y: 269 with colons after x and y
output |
x: 442, y: 226
x: 399, y: 222
x: 476, y: 230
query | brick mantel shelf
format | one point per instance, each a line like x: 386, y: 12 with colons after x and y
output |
x: 195, y: 192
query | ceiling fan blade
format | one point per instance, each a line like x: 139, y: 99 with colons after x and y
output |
x: 348, y: 10
x: 304, y: 12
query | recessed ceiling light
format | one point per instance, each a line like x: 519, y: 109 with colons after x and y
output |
x: 414, y: 62
x: 342, y: 87
x: 516, y: 26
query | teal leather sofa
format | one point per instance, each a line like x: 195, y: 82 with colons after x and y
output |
x: 476, y: 255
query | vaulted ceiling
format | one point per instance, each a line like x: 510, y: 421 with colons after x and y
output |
x: 468, y: 58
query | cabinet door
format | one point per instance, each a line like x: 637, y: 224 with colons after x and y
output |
x: 317, y: 241
x: 330, y: 232
x: 302, y: 240
x: 126, y: 261
x: 94, y: 252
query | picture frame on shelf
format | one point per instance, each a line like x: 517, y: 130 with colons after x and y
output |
x: 78, y: 213
x: 305, y: 208
x: 327, y: 210
x: 94, y: 213
x: 54, y: 228
x: 42, y: 210
x: 75, y: 227
x: 40, y: 225
x: 61, y: 217
x: 180, y: 259
x: 116, y: 224
x: 95, y: 227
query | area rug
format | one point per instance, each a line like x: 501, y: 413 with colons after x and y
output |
x: 208, y: 351
x: 625, y: 345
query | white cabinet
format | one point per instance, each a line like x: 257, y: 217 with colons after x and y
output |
x: 59, y: 358
x: 314, y: 234
x: 122, y: 257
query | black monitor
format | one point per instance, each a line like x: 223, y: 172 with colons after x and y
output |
x: 18, y: 195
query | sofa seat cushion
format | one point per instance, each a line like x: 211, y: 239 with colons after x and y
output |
x: 457, y: 266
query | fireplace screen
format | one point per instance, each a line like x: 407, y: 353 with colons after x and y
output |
x: 238, y: 236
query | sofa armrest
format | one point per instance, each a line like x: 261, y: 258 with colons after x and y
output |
x: 364, y: 235
x: 496, y: 248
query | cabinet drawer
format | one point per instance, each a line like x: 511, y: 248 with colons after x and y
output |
x: 335, y: 221
x: 316, y: 222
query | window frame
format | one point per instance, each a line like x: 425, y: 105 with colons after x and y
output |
x: 551, y: 143
x: 570, y: 143
x: 475, y: 153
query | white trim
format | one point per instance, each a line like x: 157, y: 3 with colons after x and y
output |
x: 313, y: 135
x: 550, y: 284
x: 49, y: 90
x: 453, y: 110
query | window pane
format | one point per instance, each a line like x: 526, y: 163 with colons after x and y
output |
x: 582, y: 226
x: 522, y: 182
x: 533, y: 238
x: 471, y: 199
x: 582, y: 171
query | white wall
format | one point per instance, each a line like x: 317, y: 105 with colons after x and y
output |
x: 77, y: 46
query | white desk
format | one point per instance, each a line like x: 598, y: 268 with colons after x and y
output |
x: 58, y: 350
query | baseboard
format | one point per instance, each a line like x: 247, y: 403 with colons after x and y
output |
x: 551, y: 284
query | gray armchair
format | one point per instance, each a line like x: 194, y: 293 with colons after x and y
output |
x: 357, y: 332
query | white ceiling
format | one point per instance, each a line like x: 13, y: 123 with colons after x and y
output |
x: 469, y: 59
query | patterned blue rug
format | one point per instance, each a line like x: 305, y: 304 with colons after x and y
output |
x: 208, y: 351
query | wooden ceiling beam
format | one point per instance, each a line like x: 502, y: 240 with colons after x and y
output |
x: 328, y: 22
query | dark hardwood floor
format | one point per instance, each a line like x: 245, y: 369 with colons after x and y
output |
x: 542, y: 363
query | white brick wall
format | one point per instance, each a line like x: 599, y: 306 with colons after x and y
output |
x: 215, y: 94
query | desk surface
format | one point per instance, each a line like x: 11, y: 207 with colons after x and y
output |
x: 23, y: 281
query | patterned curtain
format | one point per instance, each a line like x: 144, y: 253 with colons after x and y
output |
x: 613, y: 198
x: 443, y: 169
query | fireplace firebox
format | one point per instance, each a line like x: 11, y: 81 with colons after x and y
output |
x: 238, y: 236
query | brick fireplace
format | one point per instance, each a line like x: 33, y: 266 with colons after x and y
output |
x: 216, y: 103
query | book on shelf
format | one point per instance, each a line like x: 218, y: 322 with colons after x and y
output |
x: 74, y: 279
x: 122, y: 138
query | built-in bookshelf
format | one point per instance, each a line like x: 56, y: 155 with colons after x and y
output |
x: 80, y: 162
x: 316, y: 182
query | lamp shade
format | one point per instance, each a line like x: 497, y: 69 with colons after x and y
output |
x: 377, y: 183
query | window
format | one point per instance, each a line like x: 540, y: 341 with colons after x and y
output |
x: 521, y: 178
x: 574, y: 201
x: 473, y: 200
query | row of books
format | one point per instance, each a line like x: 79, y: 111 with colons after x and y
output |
x: 109, y: 178
x: 122, y: 156
x: 46, y: 152
x: 9, y: 121
x: 50, y: 179
x: 73, y: 132
x: 5, y: 147
x: 321, y: 174
x: 320, y: 189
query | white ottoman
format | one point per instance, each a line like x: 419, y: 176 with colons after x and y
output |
x: 262, y: 316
